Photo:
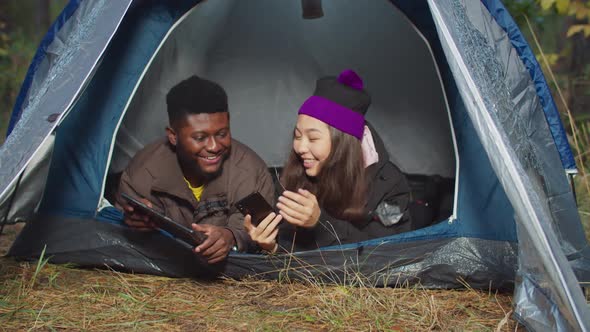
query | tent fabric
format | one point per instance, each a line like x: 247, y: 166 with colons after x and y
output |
x: 83, y: 176
x: 504, y: 20
x: 491, y: 107
x: 38, y: 58
x: 519, y: 110
x: 282, y: 64
x: 81, y: 157
x: 25, y: 195
x: 538, y: 298
x: 57, y: 81
x: 446, y: 262
x: 467, y: 87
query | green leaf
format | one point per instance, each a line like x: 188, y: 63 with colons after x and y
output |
x: 546, y: 4
x: 552, y: 58
x: 580, y: 12
x: 575, y: 29
x: 562, y: 6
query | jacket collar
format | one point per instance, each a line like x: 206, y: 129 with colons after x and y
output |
x: 169, y: 179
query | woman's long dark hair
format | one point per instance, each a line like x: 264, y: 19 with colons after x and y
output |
x: 340, y: 186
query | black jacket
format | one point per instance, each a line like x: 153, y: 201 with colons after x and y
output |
x: 388, y: 190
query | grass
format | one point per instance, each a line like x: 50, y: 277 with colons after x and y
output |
x: 583, y: 198
x: 48, y: 297
x: 59, y: 297
x: 4, y: 119
x: 582, y: 180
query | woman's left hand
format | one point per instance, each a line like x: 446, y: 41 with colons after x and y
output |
x: 265, y: 234
x: 299, y: 208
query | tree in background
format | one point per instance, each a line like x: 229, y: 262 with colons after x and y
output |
x: 43, y: 16
x: 563, y: 30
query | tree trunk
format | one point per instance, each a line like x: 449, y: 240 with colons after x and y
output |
x: 579, y: 72
x: 3, y: 17
x: 43, y: 16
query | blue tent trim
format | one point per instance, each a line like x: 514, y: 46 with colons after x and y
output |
x: 504, y: 20
x: 65, y: 15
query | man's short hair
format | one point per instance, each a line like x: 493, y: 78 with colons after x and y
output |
x: 195, y: 95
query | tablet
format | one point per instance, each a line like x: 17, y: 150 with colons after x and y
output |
x: 167, y: 224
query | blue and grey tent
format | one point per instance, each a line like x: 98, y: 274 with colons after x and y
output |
x: 458, y: 96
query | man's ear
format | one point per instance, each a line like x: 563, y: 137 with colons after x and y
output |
x: 171, y: 135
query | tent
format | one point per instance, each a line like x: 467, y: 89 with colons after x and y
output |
x: 457, y: 96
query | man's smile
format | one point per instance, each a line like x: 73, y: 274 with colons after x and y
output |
x: 211, y: 160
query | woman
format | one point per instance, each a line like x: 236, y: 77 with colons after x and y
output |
x: 340, y: 186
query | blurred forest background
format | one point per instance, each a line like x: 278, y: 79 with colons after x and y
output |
x: 557, y: 30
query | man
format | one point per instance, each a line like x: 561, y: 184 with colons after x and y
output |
x: 197, y: 173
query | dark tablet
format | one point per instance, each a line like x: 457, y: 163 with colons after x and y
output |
x: 165, y: 223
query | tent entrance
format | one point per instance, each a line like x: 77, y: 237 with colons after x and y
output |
x: 268, y: 57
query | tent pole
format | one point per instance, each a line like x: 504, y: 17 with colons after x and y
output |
x: 573, y: 187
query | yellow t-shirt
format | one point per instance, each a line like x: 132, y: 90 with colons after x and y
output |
x: 197, y: 192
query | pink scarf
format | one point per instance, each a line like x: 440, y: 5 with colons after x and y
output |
x: 370, y: 155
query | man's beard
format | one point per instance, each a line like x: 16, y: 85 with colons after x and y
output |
x: 191, y: 166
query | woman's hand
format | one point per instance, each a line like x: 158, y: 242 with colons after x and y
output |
x: 265, y: 234
x: 299, y: 208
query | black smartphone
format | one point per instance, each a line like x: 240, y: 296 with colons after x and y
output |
x: 256, y: 206
x: 166, y: 223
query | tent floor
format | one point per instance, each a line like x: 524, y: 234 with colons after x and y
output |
x: 431, y: 263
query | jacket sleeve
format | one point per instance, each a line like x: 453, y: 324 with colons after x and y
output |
x: 329, y: 231
x: 391, y: 190
x: 130, y: 185
x: 398, y: 191
x: 261, y: 182
x: 389, y: 187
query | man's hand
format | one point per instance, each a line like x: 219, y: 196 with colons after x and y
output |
x: 136, y: 219
x: 265, y: 234
x: 299, y: 208
x: 219, y: 242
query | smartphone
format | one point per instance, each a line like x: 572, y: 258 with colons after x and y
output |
x: 166, y: 223
x: 256, y: 206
